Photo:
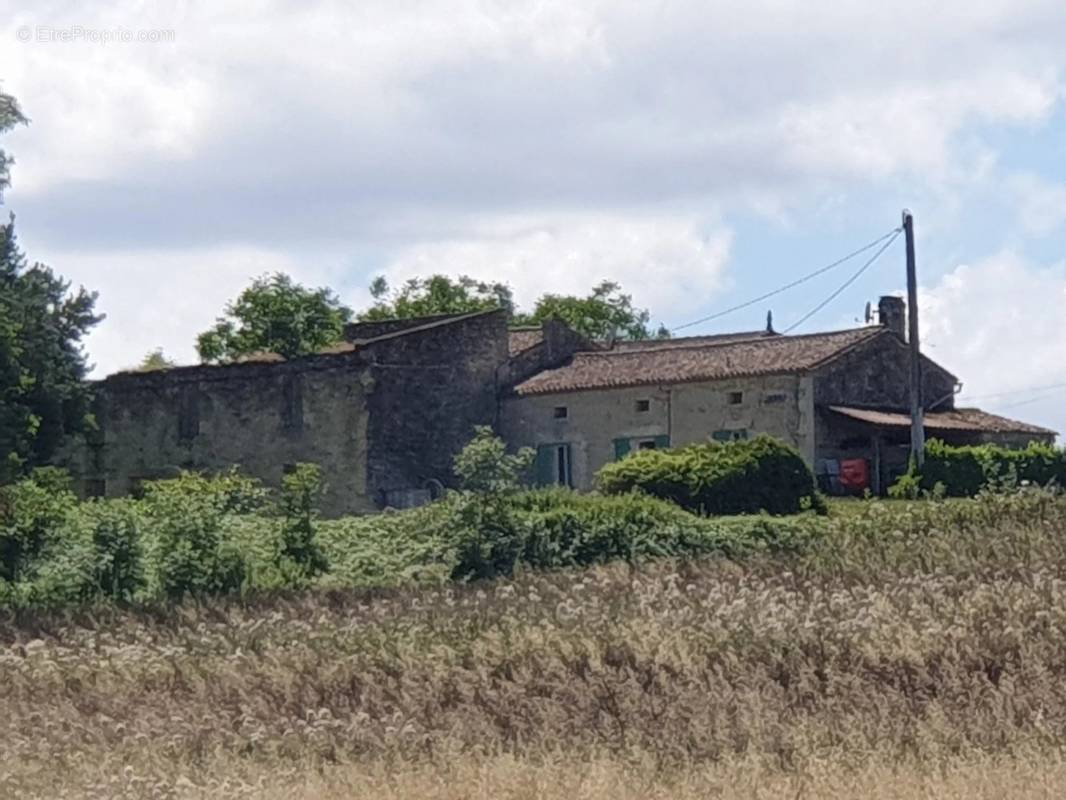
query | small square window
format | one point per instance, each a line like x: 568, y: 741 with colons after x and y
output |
x: 643, y: 405
x: 736, y: 398
x: 561, y: 412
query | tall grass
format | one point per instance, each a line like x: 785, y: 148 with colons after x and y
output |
x: 913, y: 649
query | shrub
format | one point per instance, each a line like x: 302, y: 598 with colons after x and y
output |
x: 742, y: 477
x: 963, y: 471
x: 301, y: 490
x: 116, y: 530
x: 487, y: 537
x: 190, y: 553
x: 32, y: 512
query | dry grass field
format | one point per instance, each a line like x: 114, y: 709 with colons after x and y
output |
x: 917, y: 652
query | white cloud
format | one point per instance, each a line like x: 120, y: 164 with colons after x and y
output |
x: 1041, y: 204
x: 670, y: 265
x: 609, y: 99
x: 998, y: 325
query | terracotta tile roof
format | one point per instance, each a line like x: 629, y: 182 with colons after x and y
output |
x: 519, y: 339
x: 688, y: 341
x: 682, y: 362
x: 971, y: 420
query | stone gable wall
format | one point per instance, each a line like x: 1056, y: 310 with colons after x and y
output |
x: 431, y: 388
x: 877, y: 375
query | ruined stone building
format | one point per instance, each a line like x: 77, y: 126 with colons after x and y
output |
x: 385, y: 412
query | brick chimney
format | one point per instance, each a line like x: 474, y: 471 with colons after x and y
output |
x: 892, y: 313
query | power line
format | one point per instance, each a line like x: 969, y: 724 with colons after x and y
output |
x: 1027, y: 390
x: 869, y: 263
x: 893, y: 233
x: 1036, y: 399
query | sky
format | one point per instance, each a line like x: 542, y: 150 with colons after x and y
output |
x: 699, y: 153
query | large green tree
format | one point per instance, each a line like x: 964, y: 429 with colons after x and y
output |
x: 437, y: 294
x: 275, y: 315
x: 43, y: 394
x: 605, y: 313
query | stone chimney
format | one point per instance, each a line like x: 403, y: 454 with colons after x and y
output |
x: 892, y: 313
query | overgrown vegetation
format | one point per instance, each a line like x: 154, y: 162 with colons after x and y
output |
x: 740, y: 477
x: 911, y: 649
x: 201, y: 536
x: 963, y: 471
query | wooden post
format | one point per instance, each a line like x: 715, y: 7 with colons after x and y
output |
x: 917, y: 416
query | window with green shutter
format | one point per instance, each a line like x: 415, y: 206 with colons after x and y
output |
x: 544, y: 467
x: 621, y: 448
x: 553, y: 466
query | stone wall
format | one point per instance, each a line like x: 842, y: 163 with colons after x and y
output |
x: 877, y: 375
x: 263, y: 417
x: 384, y: 421
x: 432, y: 386
x: 361, y: 331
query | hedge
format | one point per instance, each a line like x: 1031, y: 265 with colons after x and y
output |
x: 963, y: 471
x: 719, y: 478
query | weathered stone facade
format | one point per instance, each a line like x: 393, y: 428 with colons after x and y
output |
x: 877, y: 375
x: 263, y: 417
x: 431, y: 386
x: 597, y: 421
x: 382, y: 417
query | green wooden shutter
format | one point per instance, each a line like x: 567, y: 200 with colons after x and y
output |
x: 662, y: 442
x: 569, y: 467
x: 720, y: 436
x: 621, y: 448
x: 544, y: 468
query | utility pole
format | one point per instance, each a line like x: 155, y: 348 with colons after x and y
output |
x: 917, y: 416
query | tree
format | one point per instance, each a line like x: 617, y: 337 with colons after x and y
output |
x: 485, y: 466
x: 276, y: 315
x: 42, y: 366
x: 43, y: 395
x: 606, y: 313
x: 10, y: 116
x: 437, y: 294
x: 155, y: 360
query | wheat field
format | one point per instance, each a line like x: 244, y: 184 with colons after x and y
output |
x: 923, y: 657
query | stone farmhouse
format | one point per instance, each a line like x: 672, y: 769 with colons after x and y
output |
x: 385, y: 412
